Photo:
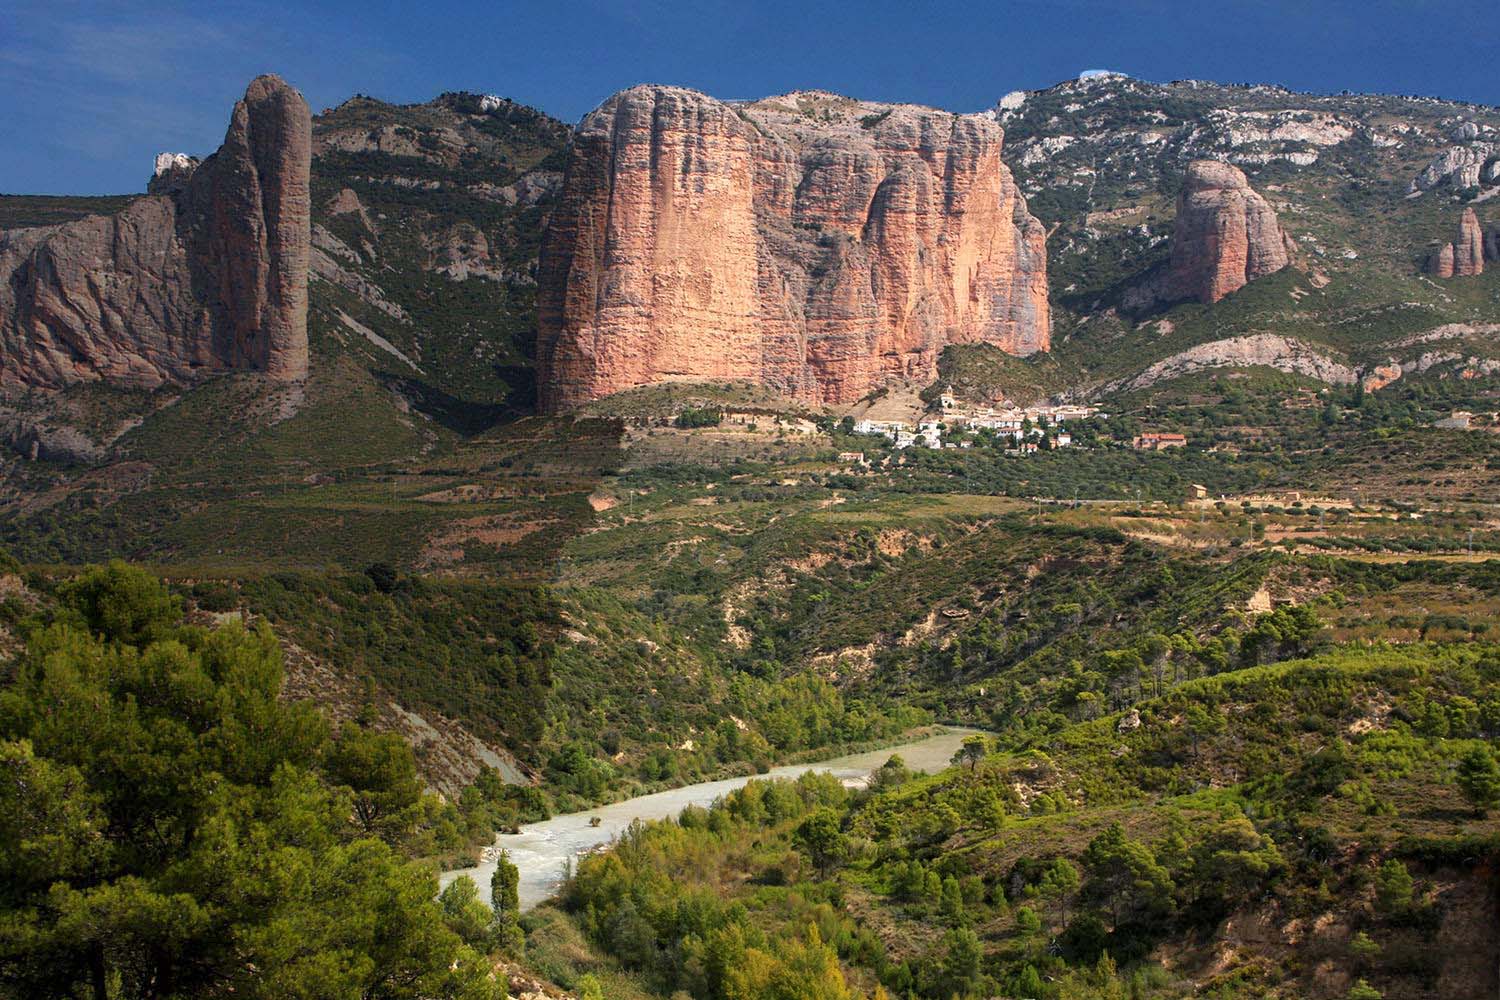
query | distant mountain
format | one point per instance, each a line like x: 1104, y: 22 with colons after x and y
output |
x: 1365, y: 186
x: 1303, y: 249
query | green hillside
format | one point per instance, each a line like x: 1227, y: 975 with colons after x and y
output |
x: 1151, y: 854
x: 1241, y: 697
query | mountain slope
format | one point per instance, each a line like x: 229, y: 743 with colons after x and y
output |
x: 428, y: 219
x: 1365, y: 185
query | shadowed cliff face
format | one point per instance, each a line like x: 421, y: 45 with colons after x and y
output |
x: 259, y: 211
x: 207, y: 273
x: 809, y: 242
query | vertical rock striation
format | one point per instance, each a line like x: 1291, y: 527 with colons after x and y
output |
x: 1465, y: 256
x: 207, y: 272
x: 1468, y: 249
x: 259, y: 218
x: 1440, y: 264
x: 808, y: 242
x: 1226, y: 235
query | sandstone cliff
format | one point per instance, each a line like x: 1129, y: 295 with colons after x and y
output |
x: 813, y: 243
x: 1226, y: 235
x: 1440, y: 264
x: 1465, y: 256
x: 208, y: 272
x: 1468, y: 249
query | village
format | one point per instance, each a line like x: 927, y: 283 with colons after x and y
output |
x: 898, y: 418
x: 1028, y: 428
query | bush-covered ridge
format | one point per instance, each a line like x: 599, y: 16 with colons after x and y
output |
x: 170, y: 827
x: 1341, y: 799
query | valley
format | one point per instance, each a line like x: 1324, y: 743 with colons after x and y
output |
x: 1104, y: 486
x: 543, y: 851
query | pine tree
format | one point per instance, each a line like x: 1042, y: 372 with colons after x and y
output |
x: 953, y: 901
x: 1393, y: 887
x: 1479, y: 779
x: 505, y: 886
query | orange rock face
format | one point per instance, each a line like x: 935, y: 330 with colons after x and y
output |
x: 1468, y: 249
x: 1226, y: 235
x: 808, y: 242
x: 207, y: 273
x: 1465, y: 256
x: 1440, y: 264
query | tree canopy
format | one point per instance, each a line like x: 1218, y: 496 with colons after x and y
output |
x: 169, y: 826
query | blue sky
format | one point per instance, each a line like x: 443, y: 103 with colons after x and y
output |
x: 89, y: 92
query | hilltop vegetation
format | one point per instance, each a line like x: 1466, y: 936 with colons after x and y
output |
x: 596, y: 699
x: 170, y: 827
x: 20, y: 211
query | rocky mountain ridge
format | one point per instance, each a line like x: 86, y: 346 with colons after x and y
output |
x: 208, y: 272
x: 1096, y: 131
x: 427, y: 222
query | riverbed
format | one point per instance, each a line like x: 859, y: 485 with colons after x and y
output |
x: 541, y: 850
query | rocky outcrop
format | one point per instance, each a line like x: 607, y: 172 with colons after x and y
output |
x: 1440, y: 264
x: 1226, y: 235
x: 1265, y: 350
x: 809, y: 242
x: 207, y: 272
x: 1465, y: 256
x: 346, y: 202
x: 1379, y: 376
x: 171, y: 173
x: 1458, y: 167
x: 1468, y: 249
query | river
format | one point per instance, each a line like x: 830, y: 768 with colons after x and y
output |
x: 541, y: 850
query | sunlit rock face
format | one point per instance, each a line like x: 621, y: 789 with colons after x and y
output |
x: 1226, y: 235
x: 1465, y: 256
x: 809, y: 242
